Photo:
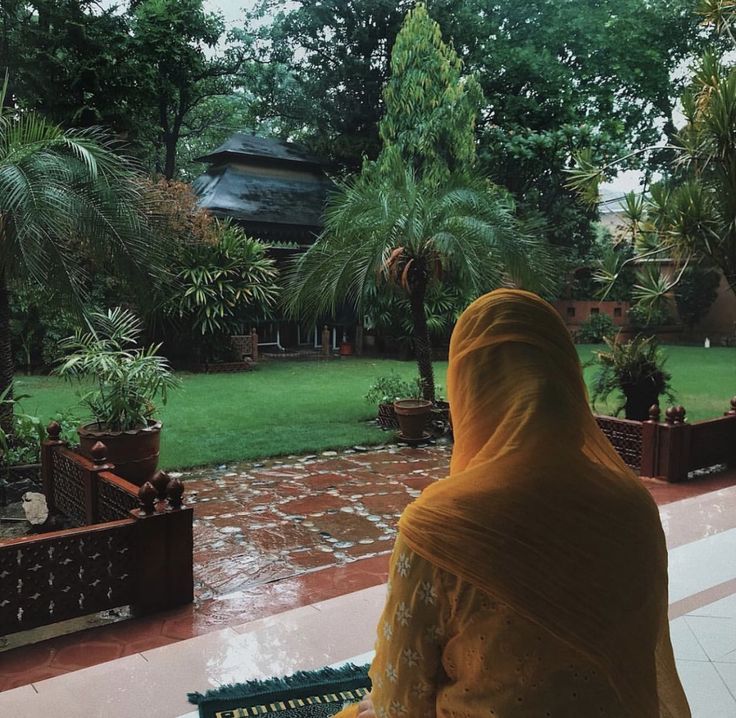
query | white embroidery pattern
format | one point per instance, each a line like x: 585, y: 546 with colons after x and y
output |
x: 403, y: 614
x: 420, y: 689
x: 388, y: 631
x: 403, y: 565
x: 411, y: 657
x: 397, y: 708
x: 391, y: 673
x: 427, y: 593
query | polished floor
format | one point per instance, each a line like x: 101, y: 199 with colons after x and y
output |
x: 312, y: 602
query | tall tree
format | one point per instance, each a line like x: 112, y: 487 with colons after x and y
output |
x: 417, y: 215
x: 61, y: 192
x: 430, y: 108
x: 176, y: 40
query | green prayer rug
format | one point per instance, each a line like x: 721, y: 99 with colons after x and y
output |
x: 307, y: 694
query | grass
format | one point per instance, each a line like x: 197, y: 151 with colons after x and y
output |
x: 281, y: 408
x: 288, y: 408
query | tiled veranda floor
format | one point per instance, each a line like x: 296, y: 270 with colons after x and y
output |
x: 296, y: 534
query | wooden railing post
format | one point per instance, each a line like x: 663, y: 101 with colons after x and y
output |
x: 98, y: 453
x: 163, y: 550
x: 254, y: 344
x: 326, y: 341
x: 650, y: 443
x: 674, y: 446
x: 53, y: 431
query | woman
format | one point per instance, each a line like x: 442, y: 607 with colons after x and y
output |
x: 533, y: 582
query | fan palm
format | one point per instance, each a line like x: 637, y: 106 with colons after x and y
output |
x: 394, y: 227
x: 63, y: 194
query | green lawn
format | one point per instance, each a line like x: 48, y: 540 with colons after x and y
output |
x: 285, y: 408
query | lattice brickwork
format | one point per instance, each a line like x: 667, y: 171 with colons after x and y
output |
x: 68, y: 487
x: 625, y: 437
x: 113, y: 503
x: 64, y: 576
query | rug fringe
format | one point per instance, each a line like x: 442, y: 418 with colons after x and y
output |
x: 270, y: 685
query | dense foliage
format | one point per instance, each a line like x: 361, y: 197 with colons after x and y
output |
x: 688, y: 216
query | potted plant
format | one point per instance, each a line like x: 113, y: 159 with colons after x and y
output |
x: 126, y: 380
x: 634, y: 368
x: 385, y: 390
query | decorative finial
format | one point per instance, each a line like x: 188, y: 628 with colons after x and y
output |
x: 53, y: 430
x: 160, y: 481
x: 733, y: 405
x: 147, y: 497
x: 98, y: 453
x: 174, y: 492
x: 654, y: 412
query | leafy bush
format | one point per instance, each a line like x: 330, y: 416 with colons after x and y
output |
x: 23, y: 445
x: 627, y: 366
x: 128, y: 379
x: 387, y: 389
x: 220, y: 289
x: 595, y: 329
x: 649, y: 317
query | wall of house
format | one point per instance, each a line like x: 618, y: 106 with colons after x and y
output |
x: 576, y: 312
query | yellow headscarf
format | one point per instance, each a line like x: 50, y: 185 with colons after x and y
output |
x: 540, y: 511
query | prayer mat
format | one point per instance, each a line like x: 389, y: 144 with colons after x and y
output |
x: 307, y: 694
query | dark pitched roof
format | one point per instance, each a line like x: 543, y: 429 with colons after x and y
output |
x: 240, y: 195
x: 265, y: 148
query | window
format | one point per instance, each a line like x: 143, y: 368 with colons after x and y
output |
x: 571, y: 312
x: 595, y: 310
x: 617, y: 312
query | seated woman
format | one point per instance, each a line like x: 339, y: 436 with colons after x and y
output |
x: 532, y: 583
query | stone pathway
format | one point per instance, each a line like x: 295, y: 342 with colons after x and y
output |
x: 260, y: 523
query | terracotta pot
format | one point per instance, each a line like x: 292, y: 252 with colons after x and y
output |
x: 413, y: 416
x: 134, y: 453
x: 346, y: 349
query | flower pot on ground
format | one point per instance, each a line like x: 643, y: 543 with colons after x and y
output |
x: 413, y: 416
x: 126, y: 380
x: 385, y: 390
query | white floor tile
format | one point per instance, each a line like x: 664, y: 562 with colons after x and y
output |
x: 108, y: 690
x: 702, y: 564
x: 684, y: 643
x: 706, y: 692
x: 717, y: 636
x: 727, y: 671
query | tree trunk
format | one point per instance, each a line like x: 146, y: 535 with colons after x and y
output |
x: 170, y: 143
x: 6, y: 358
x: 422, y: 344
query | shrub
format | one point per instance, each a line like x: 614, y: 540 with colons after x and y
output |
x: 595, y: 329
x: 649, y: 317
x: 387, y: 389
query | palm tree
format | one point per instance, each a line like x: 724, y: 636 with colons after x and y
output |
x: 389, y: 225
x: 62, y: 194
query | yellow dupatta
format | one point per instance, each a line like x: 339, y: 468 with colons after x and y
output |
x: 540, y: 511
